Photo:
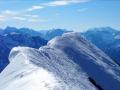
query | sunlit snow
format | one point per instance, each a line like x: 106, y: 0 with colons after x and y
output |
x: 65, y: 63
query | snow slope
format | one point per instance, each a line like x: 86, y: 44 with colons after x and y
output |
x: 31, y: 69
x: 107, y: 39
x: 68, y: 62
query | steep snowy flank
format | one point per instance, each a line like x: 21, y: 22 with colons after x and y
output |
x: 107, y: 39
x: 92, y: 60
x: 68, y: 62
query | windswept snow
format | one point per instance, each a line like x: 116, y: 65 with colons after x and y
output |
x: 65, y: 63
x: 45, y: 70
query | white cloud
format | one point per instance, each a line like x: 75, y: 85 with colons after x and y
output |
x: 64, y: 2
x: 33, y: 20
x: 1, y: 19
x: 1, y: 16
x: 22, y: 15
x: 82, y: 9
x: 37, y: 20
x: 33, y: 16
x: 6, y: 15
x: 56, y: 3
x: 35, y: 8
x: 19, y: 18
x: 6, y: 12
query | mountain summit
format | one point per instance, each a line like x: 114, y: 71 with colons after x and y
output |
x: 67, y: 62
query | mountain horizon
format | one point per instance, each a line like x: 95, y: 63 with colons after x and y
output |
x: 59, y: 45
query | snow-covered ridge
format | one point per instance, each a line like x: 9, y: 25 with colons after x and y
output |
x: 42, y: 70
x: 67, y: 62
x: 107, y: 39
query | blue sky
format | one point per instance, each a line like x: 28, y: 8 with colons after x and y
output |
x: 75, y: 15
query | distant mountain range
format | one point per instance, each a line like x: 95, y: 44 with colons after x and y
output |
x: 23, y: 31
x: 12, y: 37
x: 50, y: 34
x: 63, y: 61
x: 107, y: 39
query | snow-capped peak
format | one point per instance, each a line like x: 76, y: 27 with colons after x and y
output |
x: 68, y: 62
